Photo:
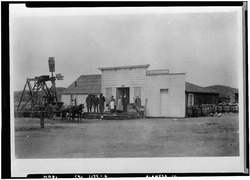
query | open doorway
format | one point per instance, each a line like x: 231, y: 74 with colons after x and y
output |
x: 121, y: 92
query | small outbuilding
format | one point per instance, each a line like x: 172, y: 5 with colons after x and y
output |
x: 226, y: 94
x: 77, y: 92
x: 197, y: 95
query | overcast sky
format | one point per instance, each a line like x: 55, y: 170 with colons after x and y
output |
x: 203, y: 45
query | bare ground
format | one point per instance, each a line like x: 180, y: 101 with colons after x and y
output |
x: 159, y: 137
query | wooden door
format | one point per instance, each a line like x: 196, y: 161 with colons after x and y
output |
x: 164, y: 109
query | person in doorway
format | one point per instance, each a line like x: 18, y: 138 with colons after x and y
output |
x: 96, y: 103
x: 125, y: 103
x: 89, y: 103
x: 119, y: 104
x: 112, y: 104
x: 101, y: 104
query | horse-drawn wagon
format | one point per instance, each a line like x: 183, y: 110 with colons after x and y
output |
x: 72, y: 111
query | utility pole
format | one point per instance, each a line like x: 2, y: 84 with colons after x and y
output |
x: 42, y: 107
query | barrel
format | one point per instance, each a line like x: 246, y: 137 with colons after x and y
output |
x: 219, y: 109
x: 216, y: 108
x: 204, y: 111
x: 190, y: 112
x: 236, y: 109
x: 226, y: 109
x: 212, y: 108
x: 208, y: 109
x: 231, y: 108
x: 197, y: 112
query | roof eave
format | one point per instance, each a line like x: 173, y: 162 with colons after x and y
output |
x: 202, y: 92
x: 124, y: 67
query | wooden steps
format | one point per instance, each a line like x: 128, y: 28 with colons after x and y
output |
x: 112, y: 116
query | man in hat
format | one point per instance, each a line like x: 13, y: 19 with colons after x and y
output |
x: 89, y: 103
x: 125, y: 102
x: 101, y: 101
x: 96, y: 103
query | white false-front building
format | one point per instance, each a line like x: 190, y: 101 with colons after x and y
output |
x: 129, y: 80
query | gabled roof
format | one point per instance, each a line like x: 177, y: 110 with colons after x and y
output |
x: 198, y: 89
x: 124, y: 67
x: 85, y: 84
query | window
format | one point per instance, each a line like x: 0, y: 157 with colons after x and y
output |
x: 73, y: 99
x: 190, y: 100
x: 164, y: 90
x: 137, y: 91
x: 108, y: 93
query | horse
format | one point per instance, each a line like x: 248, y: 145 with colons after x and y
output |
x: 70, y: 112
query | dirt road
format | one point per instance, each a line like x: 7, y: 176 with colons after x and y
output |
x: 166, y: 137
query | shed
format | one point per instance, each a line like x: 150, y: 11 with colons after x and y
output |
x: 226, y: 94
x: 197, y: 95
x: 80, y: 88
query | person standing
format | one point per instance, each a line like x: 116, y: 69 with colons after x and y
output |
x: 102, y: 101
x: 89, y: 103
x: 125, y: 103
x: 138, y: 103
x: 119, y: 104
x: 112, y: 104
x: 96, y: 103
x: 92, y: 101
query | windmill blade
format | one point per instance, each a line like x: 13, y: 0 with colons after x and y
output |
x: 59, y: 77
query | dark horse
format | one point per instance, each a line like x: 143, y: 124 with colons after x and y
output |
x: 71, y: 112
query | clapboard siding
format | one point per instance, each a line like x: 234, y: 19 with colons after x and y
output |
x: 126, y: 77
x: 65, y: 98
x: 134, y: 77
x: 81, y: 99
x: 124, y: 83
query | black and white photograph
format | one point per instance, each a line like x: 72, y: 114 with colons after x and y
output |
x: 126, y: 90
